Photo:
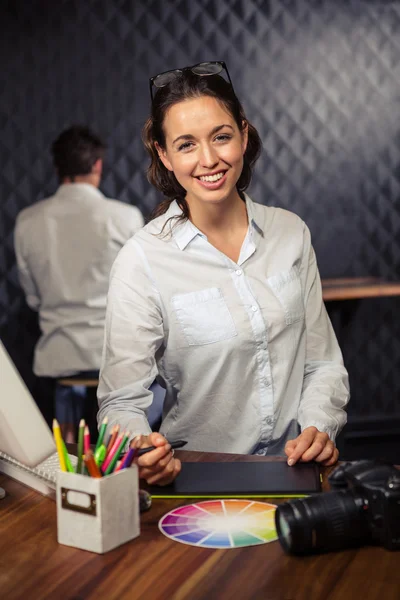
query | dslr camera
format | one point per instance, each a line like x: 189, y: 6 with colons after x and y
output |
x: 362, y: 509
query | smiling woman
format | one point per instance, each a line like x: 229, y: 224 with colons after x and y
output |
x: 218, y: 296
x: 204, y: 148
x: 224, y: 131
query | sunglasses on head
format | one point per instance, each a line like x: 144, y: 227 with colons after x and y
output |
x: 202, y: 69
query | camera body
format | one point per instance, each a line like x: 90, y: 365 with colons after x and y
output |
x: 363, y: 508
x: 377, y: 485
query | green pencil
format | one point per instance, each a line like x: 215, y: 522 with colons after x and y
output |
x: 101, y: 433
x: 100, y: 455
x: 80, y: 445
x: 116, y: 456
x: 70, y: 468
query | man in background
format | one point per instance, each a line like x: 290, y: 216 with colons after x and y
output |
x: 65, y: 246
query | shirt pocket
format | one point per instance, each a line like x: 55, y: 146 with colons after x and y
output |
x: 204, y: 316
x: 286, y: 286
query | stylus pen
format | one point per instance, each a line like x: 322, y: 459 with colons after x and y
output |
x: 174, y: 445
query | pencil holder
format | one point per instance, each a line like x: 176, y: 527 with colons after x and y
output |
x: 98, y: 514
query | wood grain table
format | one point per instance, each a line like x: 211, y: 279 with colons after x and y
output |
x: 355, y: 288
x: 153, y: 567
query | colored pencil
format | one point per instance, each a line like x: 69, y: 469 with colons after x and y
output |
x: 130, y: 455
x: 127, y: 460
x: 100, y: 455
x: 86, y: 439
x: 80, y: 445
x: 59, y: 444
x: 70, y: 468
x: 112, y: 438
x: 117, y: 454
x: 102, y: 431
x: 111, y: 453
x: 90, y: 464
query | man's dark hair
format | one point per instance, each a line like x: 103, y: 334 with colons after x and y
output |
x: 76, y: 150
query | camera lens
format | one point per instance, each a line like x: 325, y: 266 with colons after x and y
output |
x: 322, y: 523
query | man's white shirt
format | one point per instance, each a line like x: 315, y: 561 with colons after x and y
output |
x: 65, y: 247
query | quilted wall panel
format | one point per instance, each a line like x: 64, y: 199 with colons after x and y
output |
x: 319, y: 78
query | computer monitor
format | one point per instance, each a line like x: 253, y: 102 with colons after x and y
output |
x: 24, y: 434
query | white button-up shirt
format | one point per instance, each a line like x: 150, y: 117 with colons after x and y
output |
x: 246, y: 350
x: 65, y: 247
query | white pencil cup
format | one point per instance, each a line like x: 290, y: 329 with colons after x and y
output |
x: 98, y: 514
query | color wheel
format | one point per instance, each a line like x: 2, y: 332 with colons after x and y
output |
x: 221, y: 524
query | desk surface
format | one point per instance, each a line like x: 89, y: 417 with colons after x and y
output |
x: 353, y: 288
x: 33, y: 565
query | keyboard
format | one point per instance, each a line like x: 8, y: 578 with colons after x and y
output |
x: 41, y: 477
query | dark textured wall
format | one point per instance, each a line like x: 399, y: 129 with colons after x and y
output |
x: 319, y: 78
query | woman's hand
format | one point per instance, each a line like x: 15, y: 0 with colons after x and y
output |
x: 158, y: 466
x: 312, y: 444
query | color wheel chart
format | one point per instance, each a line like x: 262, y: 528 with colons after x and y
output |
x: 221, y: 524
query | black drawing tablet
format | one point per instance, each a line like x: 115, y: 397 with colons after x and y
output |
x: 242, y: 479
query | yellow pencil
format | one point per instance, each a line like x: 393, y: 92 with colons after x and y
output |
x: 59, y: 443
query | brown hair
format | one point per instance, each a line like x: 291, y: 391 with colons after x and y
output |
x: 76, y: 150
x: 184, y: 87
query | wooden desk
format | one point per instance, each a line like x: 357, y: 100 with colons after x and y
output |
x: 33, y: 565
x: 354, y: 288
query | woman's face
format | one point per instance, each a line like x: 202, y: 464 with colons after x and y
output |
x: 204, y: 149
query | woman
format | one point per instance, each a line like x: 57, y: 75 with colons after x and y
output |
x: 220, y: 296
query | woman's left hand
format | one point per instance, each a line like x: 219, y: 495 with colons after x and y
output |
x: 312, y: 444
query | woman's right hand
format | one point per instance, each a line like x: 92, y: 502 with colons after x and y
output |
x: 158, y: 467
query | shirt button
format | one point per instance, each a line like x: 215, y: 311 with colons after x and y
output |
x: 269, y: 420
x: 254, y: 308
x: 238, y: 271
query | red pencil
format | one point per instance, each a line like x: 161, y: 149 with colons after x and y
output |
x: 111, y: 453
x: 112, y: 438
x: 86, y: 440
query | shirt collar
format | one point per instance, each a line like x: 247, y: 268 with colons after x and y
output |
x: 71, y: 190
x: 253, y: 220
x: 185, y: 232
